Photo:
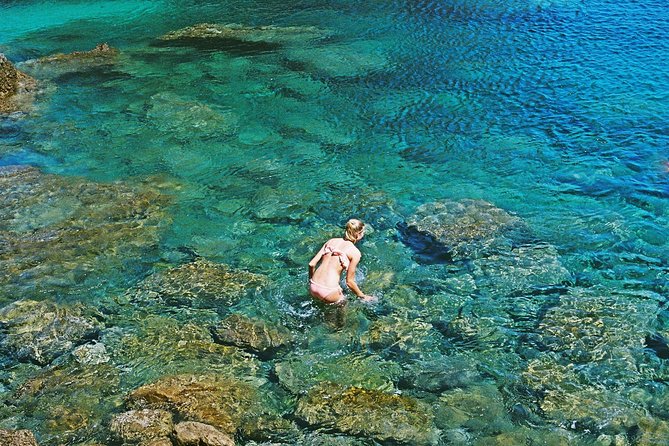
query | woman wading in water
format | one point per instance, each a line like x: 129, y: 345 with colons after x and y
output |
x: 337, y: 255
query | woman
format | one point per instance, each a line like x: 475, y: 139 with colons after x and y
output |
x: 337, y: 255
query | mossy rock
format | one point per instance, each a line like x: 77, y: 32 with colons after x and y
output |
x: 16, y: 88
x: 17, y: 438
x: 42, y: 331
x: 255, y: 335
x: 200, y: 283
x: 222, y: 402
x: 463, y: 229
x: 382, y: 416
x: 159, y: 345
x: 244, y: 33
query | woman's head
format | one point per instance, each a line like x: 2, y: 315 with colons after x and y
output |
x: 355, y: 229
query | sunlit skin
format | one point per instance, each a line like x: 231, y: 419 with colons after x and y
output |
x: 334, y: 256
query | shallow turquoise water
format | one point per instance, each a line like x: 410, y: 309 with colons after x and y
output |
x: 555, y: 111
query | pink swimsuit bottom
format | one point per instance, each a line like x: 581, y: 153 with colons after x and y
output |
x: 322, y: 292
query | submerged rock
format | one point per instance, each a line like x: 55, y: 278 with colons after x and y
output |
x: 267, y: 33
x: 17, y: 438
x: 461, y: 229
x: 160, y: 345
x: 436, y: 375
x: 520, y: 269
x: 192, y: 433
x: 219, y: 401
x: 102, y: 53
x: 382, y: 416
x: 478, y: 408
x: 141, y: 425
x: 198, y: 283
x: 347, y: 59
x: 68, y: 401
x: 298, y: 374
x: 251, y: 334
x: 63, y: 234
x: 15, y: 87
x: 179, y: 115
x: 41, y: 331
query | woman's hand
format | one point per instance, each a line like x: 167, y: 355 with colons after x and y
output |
x: 368, y: 298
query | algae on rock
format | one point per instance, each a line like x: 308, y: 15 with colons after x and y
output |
x: 383, y: 416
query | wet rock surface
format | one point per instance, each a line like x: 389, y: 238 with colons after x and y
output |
x: 15, y: 87
x: 460, y: 229
x: 379, y: 415
x: 60, y: 233
x: 160, y: 345
x: 198, y: 283
x: 17, y: 438
x: 191, y: 433
x: 211, y: 399
x: 266, y: 33
x: 255, y: 335
x: 141, y: 425
x: 42, y: 331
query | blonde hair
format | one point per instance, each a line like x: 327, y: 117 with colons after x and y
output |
x: 353, y: 229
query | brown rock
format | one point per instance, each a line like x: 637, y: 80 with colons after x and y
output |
x: 17, y: 438
x: 162, y: 441
x: 12, y: 83
x: 213, y: 399
x: 191, y: 433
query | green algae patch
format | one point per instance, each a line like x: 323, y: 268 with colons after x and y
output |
x: 300, y: 373
x: 372, y: 413
x: 219, y: 401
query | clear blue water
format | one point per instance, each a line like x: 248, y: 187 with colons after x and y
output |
x: 555, y: 111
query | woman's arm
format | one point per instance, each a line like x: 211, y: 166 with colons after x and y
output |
x: 350, y: 277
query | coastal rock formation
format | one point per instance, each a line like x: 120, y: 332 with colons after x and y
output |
x: 102, y: 53
x: 17, y: 438
x: 198, y: 283
x: 255, y: 335
x: 41, y: 331
x: 382, y: 416
x: 62, y: 233
x: 142, y: 425
x: 461, y: 229
x: 192, y: 433
x: 15, y: 87
x: 219, y: 401
x: 233, y: 31
x: 300, y: 373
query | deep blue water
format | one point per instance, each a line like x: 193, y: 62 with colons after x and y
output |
x: 556, y: 112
